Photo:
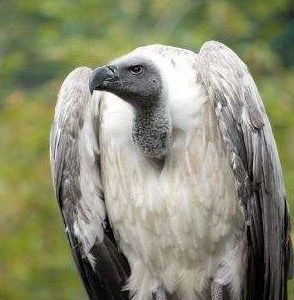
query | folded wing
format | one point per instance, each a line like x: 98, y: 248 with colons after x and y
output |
x: 75, y: 165
x: 256, y: 166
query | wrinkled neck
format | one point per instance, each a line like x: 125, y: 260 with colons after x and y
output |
x: 152, y: 129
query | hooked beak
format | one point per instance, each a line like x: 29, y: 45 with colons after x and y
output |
x: 102, y: 78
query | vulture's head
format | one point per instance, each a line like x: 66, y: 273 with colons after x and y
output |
x: 134, y: 78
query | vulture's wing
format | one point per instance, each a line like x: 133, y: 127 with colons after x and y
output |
x: 75, y: 164
x: 255, y: 163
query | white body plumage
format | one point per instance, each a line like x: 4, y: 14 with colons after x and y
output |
x: 175, y: 225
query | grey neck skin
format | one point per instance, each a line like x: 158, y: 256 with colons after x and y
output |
x: 152, y: 130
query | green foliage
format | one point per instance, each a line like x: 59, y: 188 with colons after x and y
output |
x: 41, y: 41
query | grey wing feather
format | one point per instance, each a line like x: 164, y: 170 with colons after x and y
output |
x: 75, y: 165
x: 255, y: 163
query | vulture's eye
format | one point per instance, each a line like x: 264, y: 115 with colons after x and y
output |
x: 136, y: 70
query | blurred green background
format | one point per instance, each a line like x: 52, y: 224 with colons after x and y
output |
x: 42, y: 41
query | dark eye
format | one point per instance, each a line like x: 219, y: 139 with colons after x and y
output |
x: 136, y: 70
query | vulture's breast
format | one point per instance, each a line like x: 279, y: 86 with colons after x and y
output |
x: 187, y: 212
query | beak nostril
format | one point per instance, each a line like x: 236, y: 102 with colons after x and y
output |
x: 113, y: 69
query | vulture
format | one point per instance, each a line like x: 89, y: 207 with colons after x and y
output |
x: 168, y: 179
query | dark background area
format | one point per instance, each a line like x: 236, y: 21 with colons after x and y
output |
x: 42, y: 41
